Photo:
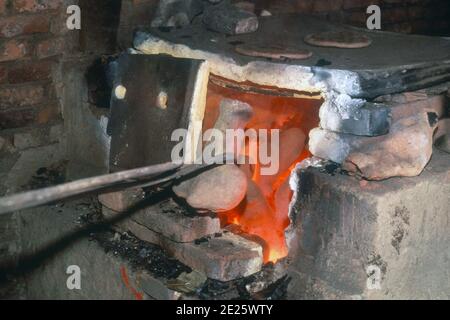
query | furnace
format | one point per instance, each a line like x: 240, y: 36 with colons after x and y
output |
x: 241, y: 154
x: 372, y: 118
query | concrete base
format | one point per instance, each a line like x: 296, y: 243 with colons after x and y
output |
x: 341, y: 228
x: 372, y: 240
x: 104, y: 275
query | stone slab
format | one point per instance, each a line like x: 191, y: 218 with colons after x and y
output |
x: 170, y: 220
x: 120, y: 201
x: 223, y: 258
x: 392, y: 63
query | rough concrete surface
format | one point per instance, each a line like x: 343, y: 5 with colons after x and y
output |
x: 88, y: 144
x: 401, y: 226
x: 48, y: 281
x: 104, y: 275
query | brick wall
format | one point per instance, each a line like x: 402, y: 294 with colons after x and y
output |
x: 33, y: 39
x: 408, y: 16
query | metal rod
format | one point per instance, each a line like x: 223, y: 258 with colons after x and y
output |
x: 81, y: 187
x: 151, y: 176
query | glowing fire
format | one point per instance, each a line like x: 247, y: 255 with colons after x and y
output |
x: 264, y: 211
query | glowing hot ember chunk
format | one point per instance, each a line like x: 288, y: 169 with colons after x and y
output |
x: 264, y: 211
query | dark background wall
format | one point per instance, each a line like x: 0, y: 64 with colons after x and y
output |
x: 407, y: 16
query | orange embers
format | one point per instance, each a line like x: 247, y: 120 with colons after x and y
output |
x: 264, y: 211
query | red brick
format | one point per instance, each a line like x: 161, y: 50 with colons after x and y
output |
x: 36, y: 115
x: 47, y: 113
x: 36, y: 5
x: 17, y: 118
x: 3, y: 7
x: 50, y: 47
x: 13, y: 97
x: 13, y: 50
x: 28, y: 72
x: 22, y: 25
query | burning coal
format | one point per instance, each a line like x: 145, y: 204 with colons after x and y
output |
x: 264, y: 210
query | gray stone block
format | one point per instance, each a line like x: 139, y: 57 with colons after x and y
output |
x: 369, y: 120
x: 405, y: 151
x: 120, y: 201
x: 169, y: 220
x: 176, y: 13
x: 230, y: 20
x: 224, y: 258
x: 342, y: 226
